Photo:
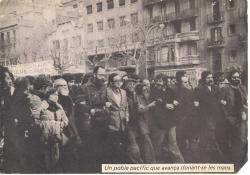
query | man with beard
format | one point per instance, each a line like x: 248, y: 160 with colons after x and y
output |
x: 71, y: 134
x: 164, y: 126
x: 208, y: 102
x: 235, y: 107
x: 92, y: 98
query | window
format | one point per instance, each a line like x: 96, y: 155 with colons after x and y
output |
x: 99, y: 6
x: 134, y: 18
x: 65, y: 44
x: 90, y: 44
x: 192, y: 48
x: 89, y: 9
x: 123, y: 39
x: 133, y: 1
x: 100, y: 43
x: 177, y: 27
x: 233, y: 55
x: 111, y: 41
x: 150, y: 12
x: 122, y: 21
x: 56, y: 44
x: 192, y: 24
x: 164, y: 54
x: 111, y: 23
x: 191, y: 4
x: 110, y: 4
x: 90, y: 28
x: 121, y: 2
x: 14, y: 35
x: 231, y: 4
x: 216, y: 34
x: 75, y: 6
x: 177, y: 7
x: 232, y: 29
x: 100, y: 25
x: 77, y: 41
x: 8, y: 37
x: 135, y: 37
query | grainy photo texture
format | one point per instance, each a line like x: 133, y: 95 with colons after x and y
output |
x: 91, y: 82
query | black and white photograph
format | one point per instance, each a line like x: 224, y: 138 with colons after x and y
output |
x: 88, y: 83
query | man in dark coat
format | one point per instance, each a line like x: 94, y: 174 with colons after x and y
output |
x: 208, y: 101
x: 234, y: 98
x: 72, y: 138
x: 164, y: 126
x: 184, y: 111
x: 92, y: 98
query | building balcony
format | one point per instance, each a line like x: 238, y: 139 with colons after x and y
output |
x: 151, y: 63
x: 161, y: 40
x: 188, y: 36
x: 215, y: 19
x: 185, y: 60
x: 151, y: 2
x: 189, y: 60
x: 243, y: 39
x: 187, y: 13
x: 218, y: 43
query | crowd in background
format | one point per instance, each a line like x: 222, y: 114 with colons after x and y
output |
x: 75, y: 123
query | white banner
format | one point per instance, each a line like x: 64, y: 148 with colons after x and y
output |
x: 35, y: 68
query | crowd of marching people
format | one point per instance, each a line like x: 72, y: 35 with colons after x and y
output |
x: 68, y: 125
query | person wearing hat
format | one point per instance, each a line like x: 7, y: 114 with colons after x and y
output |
x: 207, y: 101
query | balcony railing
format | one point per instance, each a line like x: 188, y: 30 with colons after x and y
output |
x: 191, y: 59
x: 160, y: 40
x: 215, y: 19
x: 188, y: 36
x: 151, y: 2
x: 243, y: 38
x: 187, y: 13
x: 217, y: 43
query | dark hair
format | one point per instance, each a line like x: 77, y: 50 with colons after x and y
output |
x: 139, y: 89
x: 49, y: 92
x: 111, y: 78
x: 179, y: 75
x: 31, y: 79
x: 4, y: 70
x: 204, y: 75
x: 159, y: 76
x: 68, y: 77
x: 41, y: 82
x: 86, y: 77
x: 97, y: 68
x: 231, y: 73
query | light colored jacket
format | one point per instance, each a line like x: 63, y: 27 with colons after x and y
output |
x: 118, y: 112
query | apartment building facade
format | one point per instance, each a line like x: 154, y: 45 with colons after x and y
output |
x: 112, y: 31
x: 24, y: 26
x: 225, y: 28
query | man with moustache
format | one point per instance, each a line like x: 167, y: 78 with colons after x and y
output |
x: 92, y: 97
x: 235, y: 107
x: 207, y: 100
x: 71, y: 136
